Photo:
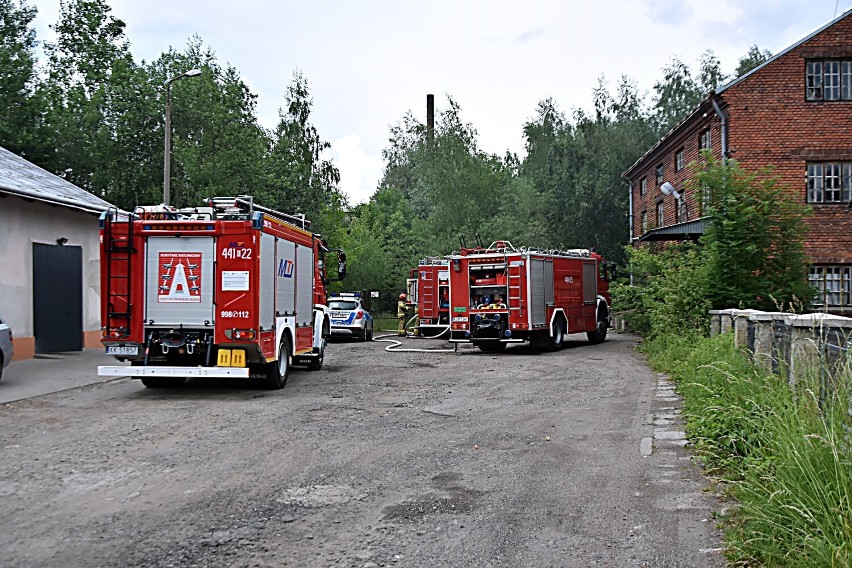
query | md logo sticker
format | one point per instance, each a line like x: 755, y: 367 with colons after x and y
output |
x: 285, y: 268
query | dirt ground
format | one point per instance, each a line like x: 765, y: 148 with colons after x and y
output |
x: 572, y: 458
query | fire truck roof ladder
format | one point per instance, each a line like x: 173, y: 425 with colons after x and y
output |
x: 244, y: 204
x: 118, y: 273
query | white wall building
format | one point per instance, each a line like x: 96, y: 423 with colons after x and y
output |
x: 49, y: 259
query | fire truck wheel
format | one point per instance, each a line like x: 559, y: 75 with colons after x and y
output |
x: 278, y: 371
x: 316, y: 362
x: 556, y: 340
x: 599, y: 334
x: 163, y: 382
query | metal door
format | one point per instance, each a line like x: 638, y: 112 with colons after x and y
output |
x: 57, y: 298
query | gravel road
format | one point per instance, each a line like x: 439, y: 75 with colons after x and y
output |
x: 573, y: 458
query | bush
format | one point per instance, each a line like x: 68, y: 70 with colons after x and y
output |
x: 667, y: 294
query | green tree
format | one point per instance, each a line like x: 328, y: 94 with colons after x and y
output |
x: 755, y: 238
x: 751, y: 60
x: 576, y: 168
x: 89, y: 44
x: 299, y: 178
x: 677, y: 93
x: 710, y: 74
x: 21, y: 107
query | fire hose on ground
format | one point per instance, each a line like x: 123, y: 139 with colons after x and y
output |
x: 397, y: 345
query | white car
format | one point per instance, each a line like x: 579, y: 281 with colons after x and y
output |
x: 350, y: 317
x: 5, y: 345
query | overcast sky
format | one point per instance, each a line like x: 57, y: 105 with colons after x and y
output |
x: 367, y: 62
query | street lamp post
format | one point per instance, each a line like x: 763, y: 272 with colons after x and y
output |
x: 167, y: 154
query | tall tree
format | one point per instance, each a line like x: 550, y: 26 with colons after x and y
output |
x: 677, y: 93
x: 710, y: 74
x: 751, y: 60
x: 21, y: 107
x: 300, y: 178
x: 89, y: 43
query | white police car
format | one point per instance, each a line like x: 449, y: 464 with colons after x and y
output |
x: 349, y: 317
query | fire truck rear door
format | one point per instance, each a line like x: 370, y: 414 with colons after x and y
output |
x: 179, y: 281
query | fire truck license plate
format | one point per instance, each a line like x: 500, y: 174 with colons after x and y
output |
x: 122, y: 350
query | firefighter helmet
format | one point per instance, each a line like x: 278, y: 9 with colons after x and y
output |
x: 402, y: 296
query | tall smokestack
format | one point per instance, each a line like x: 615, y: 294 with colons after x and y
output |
x: 430, y: 117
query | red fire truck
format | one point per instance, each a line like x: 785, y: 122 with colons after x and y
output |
x: 501, y: 295
x: 231, y: 289
x: 429, y: 288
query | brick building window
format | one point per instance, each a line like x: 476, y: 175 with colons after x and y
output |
x: 643, y: 186
x: 833, y: 285
x: 679, y: 165
x: 681, y: 209
x: 828, y: 80
x: 660, y: 221
x: 704, y: 140
x: 659, y: 172
x: 644, y: 221
x: 829, y: 182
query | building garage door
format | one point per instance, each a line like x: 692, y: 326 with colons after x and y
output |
x: 57, y: 298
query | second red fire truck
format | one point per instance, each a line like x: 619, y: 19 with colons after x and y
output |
x: 501, y: 295
x: 428, y: 288
x: 230, y: 289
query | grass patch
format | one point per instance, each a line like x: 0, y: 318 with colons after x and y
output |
x: 783, y: 451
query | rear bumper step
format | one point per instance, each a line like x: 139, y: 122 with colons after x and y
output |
x: 157, y: 371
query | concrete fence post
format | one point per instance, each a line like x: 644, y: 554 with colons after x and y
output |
x: 806, y: 337
x: 763, y: 347
x: 726, y: 321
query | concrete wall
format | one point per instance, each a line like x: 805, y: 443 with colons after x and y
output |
x: 23, y: 223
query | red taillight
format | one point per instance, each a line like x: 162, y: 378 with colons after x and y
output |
x: 242, y: 334
x: 359, y: 315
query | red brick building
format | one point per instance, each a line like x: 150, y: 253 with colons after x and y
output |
x: 793, y: 112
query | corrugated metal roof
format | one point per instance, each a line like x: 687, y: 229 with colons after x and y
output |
x: 681, y: 231
x: 25, y: 179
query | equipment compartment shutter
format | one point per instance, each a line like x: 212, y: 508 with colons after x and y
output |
x: 285, y: 300
x: 590, y: 287
x: 548, y: 282
x: 538, y: 311
x: 267, y: 281
x: 304, y: 285
x: 179, y: 281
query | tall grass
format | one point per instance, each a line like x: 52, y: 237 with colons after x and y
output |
x: 784, y: 451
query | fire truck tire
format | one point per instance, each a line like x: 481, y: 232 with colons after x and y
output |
x: 278, y: 371
x: 557, y: 338
x: 316, y: 362
x: 599, y: 334
x: 163, y: 382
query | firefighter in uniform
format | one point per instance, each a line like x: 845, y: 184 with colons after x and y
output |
x: 401, y: 313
